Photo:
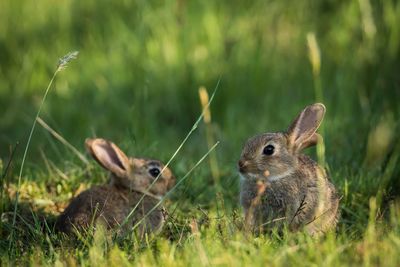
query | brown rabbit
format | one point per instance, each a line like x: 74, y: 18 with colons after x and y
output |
x: 280, y: 186
x: 112, y: 203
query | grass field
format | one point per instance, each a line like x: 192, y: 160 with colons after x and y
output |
x: 136, y: 82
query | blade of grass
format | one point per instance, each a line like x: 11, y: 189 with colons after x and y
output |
x: 314, y: 54
x: 9, y: 161
x: 3, y: 176
x: 62, y: 140
x: 194, y: 127
x: 62, y: 64
x: 203, y: 95
x: 177, y: 184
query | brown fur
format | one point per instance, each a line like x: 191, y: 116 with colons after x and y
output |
x: 111, y: 205
x: 129, y: 187
x: 296, y: 191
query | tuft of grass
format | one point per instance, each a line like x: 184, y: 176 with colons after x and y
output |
x: 204, y: 100
x: 314, y: 56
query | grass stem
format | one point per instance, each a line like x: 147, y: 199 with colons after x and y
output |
x: 62, y: 64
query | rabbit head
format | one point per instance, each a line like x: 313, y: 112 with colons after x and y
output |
x: 273, y: 155
x: 133, y: 173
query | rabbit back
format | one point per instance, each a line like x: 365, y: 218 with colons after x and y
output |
x: 111, y: 205
x: 317, y: 202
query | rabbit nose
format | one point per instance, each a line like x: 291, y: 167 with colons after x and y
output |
x: 242, y: 164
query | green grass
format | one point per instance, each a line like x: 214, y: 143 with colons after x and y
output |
x: 136, y: 82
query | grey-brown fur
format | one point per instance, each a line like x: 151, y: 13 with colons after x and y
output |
x: 287, y: 187
x: 130, y: 187
x: 111, y: 205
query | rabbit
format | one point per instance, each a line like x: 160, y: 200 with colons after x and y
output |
x: 112, y: 203
x: 282, y: 187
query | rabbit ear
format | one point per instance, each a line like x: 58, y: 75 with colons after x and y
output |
x: 312, y: 141
x: 108, y: 155
x: 301, y: 133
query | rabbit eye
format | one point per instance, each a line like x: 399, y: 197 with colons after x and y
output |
x: 154, y: 172
x: 269, y: 150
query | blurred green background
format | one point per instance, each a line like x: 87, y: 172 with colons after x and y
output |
x: 141, y: 63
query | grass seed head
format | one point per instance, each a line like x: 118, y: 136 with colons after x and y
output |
x: 63, y: 62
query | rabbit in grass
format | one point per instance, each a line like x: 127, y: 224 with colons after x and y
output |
x: 280, y: 186
x: 128, y: 192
